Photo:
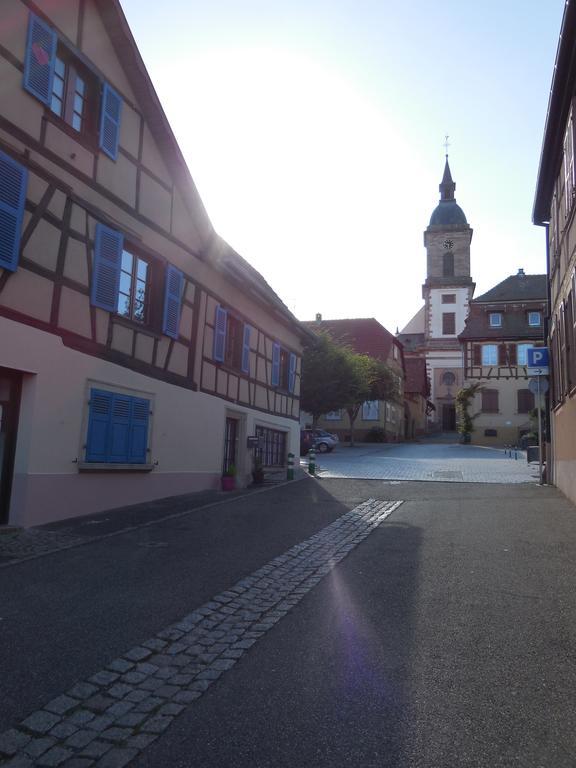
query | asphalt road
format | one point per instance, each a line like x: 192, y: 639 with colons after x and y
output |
x: 444, y: 639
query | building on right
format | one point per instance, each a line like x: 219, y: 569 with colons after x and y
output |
x: 502, y: 325
x: 554, y: 209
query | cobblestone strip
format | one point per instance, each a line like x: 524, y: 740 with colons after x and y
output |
x: 110, y: 718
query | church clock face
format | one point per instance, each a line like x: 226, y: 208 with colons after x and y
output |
x: 448, y: 244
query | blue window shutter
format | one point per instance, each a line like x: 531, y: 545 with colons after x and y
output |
x: 13, y: 181
x: 40, y: 56
x: 110, y: 112
x: 275, y: 364
x: 292, y: 372
x: 119, y: 435
x: 172, y: 301
x: 99, y: 415
x: 137, y: 448
x: 106, y: 273
x: 246, y: 350
x: 220, y: 321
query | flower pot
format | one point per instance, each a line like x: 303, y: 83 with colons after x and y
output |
x: 228, y: 483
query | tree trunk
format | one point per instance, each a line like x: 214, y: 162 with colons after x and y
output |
x: 352, y: 414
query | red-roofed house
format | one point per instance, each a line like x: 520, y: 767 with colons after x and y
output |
x: 368, y: 337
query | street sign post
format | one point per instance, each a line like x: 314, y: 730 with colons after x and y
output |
x: 538, y: 365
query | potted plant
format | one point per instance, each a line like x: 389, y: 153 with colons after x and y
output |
x: 228, y: 479
x: 257, y: 471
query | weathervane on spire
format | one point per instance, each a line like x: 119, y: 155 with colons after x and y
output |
x: 446, y: 144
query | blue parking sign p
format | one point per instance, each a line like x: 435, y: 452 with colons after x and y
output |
x: 537, y: 357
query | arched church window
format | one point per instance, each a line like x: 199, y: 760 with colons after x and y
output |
x: 448, y: 264
x: 448, y: 378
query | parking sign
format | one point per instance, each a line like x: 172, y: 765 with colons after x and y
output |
x: 537, y: 357
x: 538, y: 361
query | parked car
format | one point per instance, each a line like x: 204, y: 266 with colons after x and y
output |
x: 321, y: 440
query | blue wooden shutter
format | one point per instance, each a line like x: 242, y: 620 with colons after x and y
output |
x: 137, y: 448
x: 220, y: 321
x: 292, y: 372
x: 98, y: 425
x: 119, y: 436
x: 106, y: 273
x: 40, y: 56
x: 13, y: 181
x: 172, y: 301
x: 110, y: 112
x: 246, y: 350
x: 275, y: 364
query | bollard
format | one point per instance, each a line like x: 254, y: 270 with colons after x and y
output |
x: 290, y: 472
x: 311, y: 461
x: 516, y: 452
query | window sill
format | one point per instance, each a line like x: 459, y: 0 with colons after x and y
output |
x: 144, y: 328
x: 93, y: 466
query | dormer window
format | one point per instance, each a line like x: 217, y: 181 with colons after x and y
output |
x: 495, y: 319
x: 534, y: 319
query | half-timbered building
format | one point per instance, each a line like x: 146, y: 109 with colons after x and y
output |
x: 502, y: 325
x: 138, y: 350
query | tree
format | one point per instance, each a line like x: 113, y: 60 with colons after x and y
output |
x: 325, y: 373
x: 370, y: 379
x: 335, y: 377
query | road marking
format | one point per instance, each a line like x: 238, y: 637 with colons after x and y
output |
x: 122, y: 709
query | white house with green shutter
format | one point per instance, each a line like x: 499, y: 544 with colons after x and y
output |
x: 138, y: 350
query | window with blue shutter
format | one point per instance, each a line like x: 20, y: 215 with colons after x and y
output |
x: 292, y: 372
x: 98, y: 425
x: 40, y: 56
x: 220, y: 322
x: 13, y: 183
x: 246, y: 350
x: 108, y: 248
x: 172, y: 301
x: 110, y: 112
x: 117, y: 428
x: 275, y: 364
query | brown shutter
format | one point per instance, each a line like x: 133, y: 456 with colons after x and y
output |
x: 502, y: 356
x: 525, y: 401
x: 477, y: 354
x: 490, y: 401
x: 513, y: 353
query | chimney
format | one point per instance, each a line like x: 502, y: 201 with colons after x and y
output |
x: 318, y: 317
x: 521, y: 271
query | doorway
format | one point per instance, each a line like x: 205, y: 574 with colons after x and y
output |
x: 10, y: 388
x: 230, y: 440
x: 449, y: 418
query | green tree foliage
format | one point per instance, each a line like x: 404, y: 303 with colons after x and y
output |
x: 325, y: 376
x: 335, y: 377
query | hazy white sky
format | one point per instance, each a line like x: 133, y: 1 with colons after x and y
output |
x: 314, y: 131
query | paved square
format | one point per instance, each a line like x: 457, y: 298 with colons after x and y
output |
x: 451, y: 463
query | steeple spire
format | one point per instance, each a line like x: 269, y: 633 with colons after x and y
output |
x: 447, y: 186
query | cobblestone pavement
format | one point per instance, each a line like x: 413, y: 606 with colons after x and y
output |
x: 108, y: 719
x: 439, y: 463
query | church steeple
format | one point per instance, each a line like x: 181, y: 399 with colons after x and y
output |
x: 447, y: 186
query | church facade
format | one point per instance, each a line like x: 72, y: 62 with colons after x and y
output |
x: 447, y: 291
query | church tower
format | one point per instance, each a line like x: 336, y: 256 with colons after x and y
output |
x: 447, y: 292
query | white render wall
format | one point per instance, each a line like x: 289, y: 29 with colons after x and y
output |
x: 186, y: 432
x: 437, y: 309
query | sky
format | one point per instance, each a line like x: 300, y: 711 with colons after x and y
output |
x: 315, y: 133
